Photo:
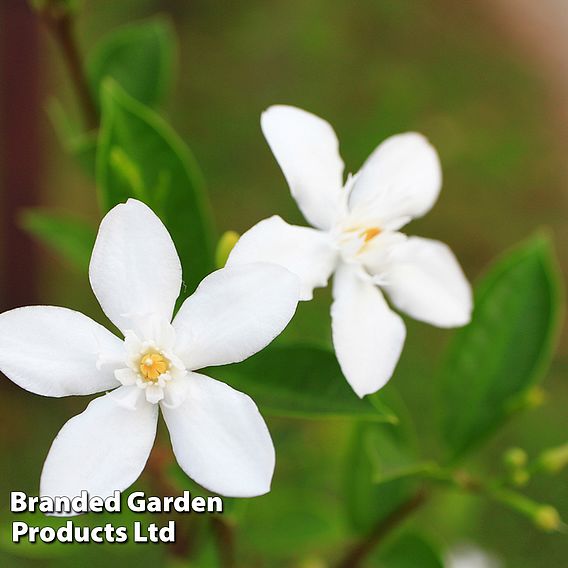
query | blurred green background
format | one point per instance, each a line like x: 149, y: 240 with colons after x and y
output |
x: 453, y: 71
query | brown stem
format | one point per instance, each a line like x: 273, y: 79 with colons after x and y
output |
x: 224, y: 535
x: 184, y: 546
x: 361, y: 549
x: 61, y: 25
x: 156, y: 467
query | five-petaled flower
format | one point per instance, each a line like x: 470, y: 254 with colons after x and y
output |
x: 356, y: 236
x: 217, y: 433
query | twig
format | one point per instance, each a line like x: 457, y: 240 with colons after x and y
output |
x: 360, y: 550
x: 60, y: 23
x: 183, y: 547
x: 225, y: 540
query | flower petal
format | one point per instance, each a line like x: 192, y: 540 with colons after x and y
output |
x: 135, y: 270
x: 154, y: 393
x: 221, y: 440
x: 306, y: 148
x: 367, y: 335
x: 426, y: 281
x: 234, y: 313
x: 126, y: 376
x: 400, y: 180
x: 309, y: 253
x: 102, y: 450
x: 176, y: 392
x: 55, y: 351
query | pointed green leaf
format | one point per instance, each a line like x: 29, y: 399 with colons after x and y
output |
x: 139, y: 57
x: 506, y: 348
x: 300, y: 381
x: 140, y: 156
x: 70, y: 237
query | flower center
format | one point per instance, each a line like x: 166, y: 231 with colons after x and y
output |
x: 355, y: 239
x: 370, y: 234
x: 152, y: 365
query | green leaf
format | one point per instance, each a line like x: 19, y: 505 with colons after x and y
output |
x: 507, y: 347
x: 70, y: 237
x: 139, y: 57
x: 376, y: 452
x: 300, y: 381
x: 81, y: 145
x: 140, y: 156
x: 410, y: 551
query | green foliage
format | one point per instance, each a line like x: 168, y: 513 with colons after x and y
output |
x: 140, y: 156
x: 81, y: 145
x: 300, y: 381
x: 70, y: 237
x: 291, y: 521
x: 379, y: 459
x: 492, y: 362
x: 495, y: 360
x: 139, y: 57
x: 411, y: 551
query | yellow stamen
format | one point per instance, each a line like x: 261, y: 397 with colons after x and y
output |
x: 152, y: 365
x: 370, y: 234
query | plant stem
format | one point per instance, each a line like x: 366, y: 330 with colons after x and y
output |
x: 224, y: 535
x: 361, y: 549
x: 62, y: 27
x: 184, y: 546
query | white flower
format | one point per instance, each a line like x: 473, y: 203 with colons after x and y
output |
x: 356, y: 236
x: 217, y: 433
x: 467, y: 556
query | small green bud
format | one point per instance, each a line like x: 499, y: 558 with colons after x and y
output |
x: 224, y: 247
x: 515, y: 458
x: 554, y: 460
x: 535, y: 397
x: 520, y: 477
x: 547, y: 518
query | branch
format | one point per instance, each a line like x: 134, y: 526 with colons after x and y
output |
x: 360, y: 550
x: 225, y: 541
x: 60, y: 23
x: 158, y: 461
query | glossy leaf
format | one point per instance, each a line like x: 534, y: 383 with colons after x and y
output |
x: 300, y: 381
x: 139, y: 57
x: 71, y: 238
x: 507, y: 347
x: 140, y: 156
